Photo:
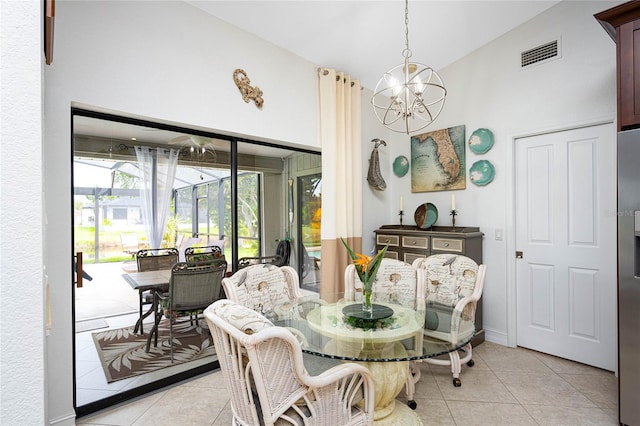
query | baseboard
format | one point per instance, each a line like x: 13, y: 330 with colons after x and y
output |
x: 495, y: 337
x: 68, y: 420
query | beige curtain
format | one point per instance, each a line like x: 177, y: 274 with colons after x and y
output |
x: 340, y: 135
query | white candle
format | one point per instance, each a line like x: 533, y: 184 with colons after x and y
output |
x: 401, y: 204
x: 453, y: 201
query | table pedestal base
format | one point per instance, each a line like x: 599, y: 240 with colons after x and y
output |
x: 389, y: 379
x: 401, y: 415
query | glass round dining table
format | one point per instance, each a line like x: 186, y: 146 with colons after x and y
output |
x: 385, y: 341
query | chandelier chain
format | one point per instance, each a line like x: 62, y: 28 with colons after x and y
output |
x: 407, y: 52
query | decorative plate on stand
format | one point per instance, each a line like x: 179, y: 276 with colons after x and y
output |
x: 426, y: 215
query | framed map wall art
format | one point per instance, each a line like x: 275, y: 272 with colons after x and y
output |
x: 438, y: 160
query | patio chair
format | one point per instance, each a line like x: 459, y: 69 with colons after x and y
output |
x: 399, y: 283
x: 152, y: 260
x: 192, y: 288
x: 309, y: 263
x: 204, y: 254
x: 276, y: 260
x: 264, y: 370
x: 454, y: 286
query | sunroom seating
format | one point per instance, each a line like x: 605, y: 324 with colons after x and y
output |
x: 454, y: 286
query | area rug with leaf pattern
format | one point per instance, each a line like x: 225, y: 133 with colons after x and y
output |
x: 123, y: 354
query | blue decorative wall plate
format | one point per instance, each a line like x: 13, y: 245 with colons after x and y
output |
x: 481, y: 141
x: 482, y: 172
x: 400, y: 165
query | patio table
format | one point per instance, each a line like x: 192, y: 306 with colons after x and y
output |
x: 148, y: 281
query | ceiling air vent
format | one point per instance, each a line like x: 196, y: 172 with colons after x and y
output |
x: 539, y: 54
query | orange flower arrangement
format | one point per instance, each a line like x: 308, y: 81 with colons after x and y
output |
x: 366, y: 268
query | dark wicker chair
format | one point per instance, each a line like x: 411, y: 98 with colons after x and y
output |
x: 192, y: 288
x: 152, y: 260
x: 204, y: 254
x: 156, y: 259
x: 261, y: 260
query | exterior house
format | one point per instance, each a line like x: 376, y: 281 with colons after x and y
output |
x: 121, y: 211
x: 168, y: 61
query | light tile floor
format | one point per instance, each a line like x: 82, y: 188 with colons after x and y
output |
x: 505, y: 387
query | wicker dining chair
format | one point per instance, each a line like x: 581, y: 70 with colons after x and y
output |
x: 399, y: 283
x: 454, y: 286
x: 192, y: 288
x: 152, y: 260
x: 263, y: 368
x: 264, y: 287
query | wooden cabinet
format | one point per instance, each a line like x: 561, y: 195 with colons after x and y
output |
x: 407, y: 243
x: 623, y: 25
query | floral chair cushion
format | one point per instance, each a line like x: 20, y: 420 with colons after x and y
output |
x: 395, y: 283
x: 450, y: 278
x: 244, y: 319
x: 262, y: 287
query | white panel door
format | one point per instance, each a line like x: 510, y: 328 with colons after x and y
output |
x: 566, y: 231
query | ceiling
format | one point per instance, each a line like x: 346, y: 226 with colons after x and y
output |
x: 366, y: 38
x: 363, y: 38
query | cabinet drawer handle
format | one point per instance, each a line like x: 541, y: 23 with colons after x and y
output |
x: 387, y: 241
x: 445, y: 244
x: 413, y: 242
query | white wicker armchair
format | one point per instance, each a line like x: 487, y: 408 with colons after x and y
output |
x: 454, y: 286
x: 272, y: 290
x: 399, y: 283
x: 263, y: 367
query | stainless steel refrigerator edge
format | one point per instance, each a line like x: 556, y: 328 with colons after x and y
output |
x: 629, y: 276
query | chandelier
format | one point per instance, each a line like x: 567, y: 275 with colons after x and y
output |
x: 409, y: 96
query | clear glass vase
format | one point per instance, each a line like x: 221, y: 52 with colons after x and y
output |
x: 367, y: 306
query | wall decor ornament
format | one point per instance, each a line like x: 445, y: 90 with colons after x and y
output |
x: 481, y: 141
x: 248, y: 92
x: 426, y: 215
x: 482, y: 172
x: 374, y: 176
x: 400, y: 165
x: 438, y: 160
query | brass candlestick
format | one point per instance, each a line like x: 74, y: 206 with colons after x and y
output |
x: 453, y: 214
x: 401, y: 214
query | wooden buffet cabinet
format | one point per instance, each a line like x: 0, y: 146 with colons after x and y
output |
x: 408, y: 243
x: 622, y: 23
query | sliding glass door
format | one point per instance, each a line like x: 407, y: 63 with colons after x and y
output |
x: 109, y: 229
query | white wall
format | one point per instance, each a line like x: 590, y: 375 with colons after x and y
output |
x: 22, y: 379
x: 166, y: 61
x: 487, y: 89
